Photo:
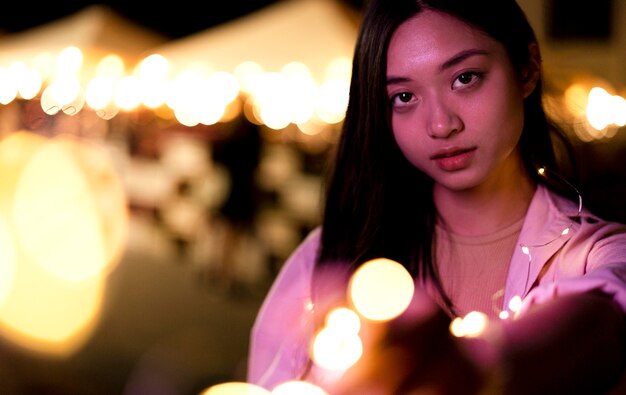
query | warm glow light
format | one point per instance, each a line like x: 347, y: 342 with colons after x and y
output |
x: 339, y: 68
x: 47, y: 314
x: 111, y: 66
x: 28, y: 80
x: 604, y: 110
x: 575, y: 99
x: 515, y: 304
x: 198, y: 99
x: 99, y: 92
x: 344, y: 320
x: 381, y: 289
x: 332, y: 101
x: 473, y: 324
x: 127, y: 94
x: 456, y: 327
x: 298, y: 388
x: 197, y: 95
x: 334, y: 349
x: 153, y: 67
x: 223, y: 85
x: 7, y: 261
x: 70, y: 210
x: 337, y: 346
x: 248, y: 73
x: 273, y: 100
x: 108, y: 112
x: 70, y: 60
x: 303, y: 90
x: 43, y: 311
x: 30, y: 84
x: 44, y: 64
x: 235, y: 388
x: 152, y: 73
x: 525, y: 250
x: 64, y: 94
x: 8, y: 87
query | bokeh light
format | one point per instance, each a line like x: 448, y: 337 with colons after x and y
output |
x: 63, y: 212
x: 381, y: 289
x: 235, y: 388
x: 473, y: 324
x: 298, y: 388
x: 70, y: 209
x: 337, y: 346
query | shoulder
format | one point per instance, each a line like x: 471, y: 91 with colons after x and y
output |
x: 560, y: 207
x: 552, y: 216
x: 297, y: 269
x: 306, y: 252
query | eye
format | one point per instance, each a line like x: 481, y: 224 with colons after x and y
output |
x: 466, y: 79
x: 402, y: 98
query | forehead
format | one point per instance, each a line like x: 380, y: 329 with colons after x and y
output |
x: 434, y: 36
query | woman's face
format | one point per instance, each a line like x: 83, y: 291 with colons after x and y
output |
x: 457, y: 103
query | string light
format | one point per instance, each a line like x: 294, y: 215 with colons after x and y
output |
x: 515, y: 303
x: 338, y: 343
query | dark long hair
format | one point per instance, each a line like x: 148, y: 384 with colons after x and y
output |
x: 377, y: 203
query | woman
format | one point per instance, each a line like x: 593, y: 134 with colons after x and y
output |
x: 437, y: 168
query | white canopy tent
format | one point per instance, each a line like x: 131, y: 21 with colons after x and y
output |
x: 313, y: 32
x: 97, y: 30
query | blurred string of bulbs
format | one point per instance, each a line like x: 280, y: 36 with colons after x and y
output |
x: 380, y: 291
x: 64, y: 214
x: 195, y: 95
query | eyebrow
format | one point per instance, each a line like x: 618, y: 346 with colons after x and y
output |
x: 456, y: 59
x: 461, y: 56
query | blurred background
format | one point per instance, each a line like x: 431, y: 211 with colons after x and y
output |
x: 159, y: 164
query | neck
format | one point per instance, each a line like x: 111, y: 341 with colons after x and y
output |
x: 484, y: 209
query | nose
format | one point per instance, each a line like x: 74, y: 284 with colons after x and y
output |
x: 444, y: 121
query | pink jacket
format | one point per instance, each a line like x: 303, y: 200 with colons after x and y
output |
x: 590, y: 256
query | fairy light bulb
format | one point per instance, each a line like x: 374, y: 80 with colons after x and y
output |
x: 473, y: 324
x: 525, y: 250
x: 235, y: 388
x: 298, y: 388
x: 381, y: 289
x: 515, y: 303
x: 337, y: 346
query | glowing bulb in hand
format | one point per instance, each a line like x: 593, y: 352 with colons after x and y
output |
x: 381, y: 289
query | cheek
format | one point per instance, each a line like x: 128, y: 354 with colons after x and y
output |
x: 502, y: 115
x: 408, y: 139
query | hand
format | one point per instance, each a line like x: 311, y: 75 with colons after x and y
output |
x: 412, y: 354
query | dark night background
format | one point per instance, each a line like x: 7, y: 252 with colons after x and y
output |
x: 174, y: 19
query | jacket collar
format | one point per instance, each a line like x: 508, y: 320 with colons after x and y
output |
x: 548, y: 216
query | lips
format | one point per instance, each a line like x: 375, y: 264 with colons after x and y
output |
x: 453, y: 159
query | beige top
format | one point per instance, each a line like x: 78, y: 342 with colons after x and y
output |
x: 473, y: 269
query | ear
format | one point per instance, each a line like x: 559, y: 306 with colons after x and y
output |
x: 532, y: 71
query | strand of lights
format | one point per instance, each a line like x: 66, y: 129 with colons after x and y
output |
x: 380, y: 290
x: 338, y: 346
x: 515, y: 303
